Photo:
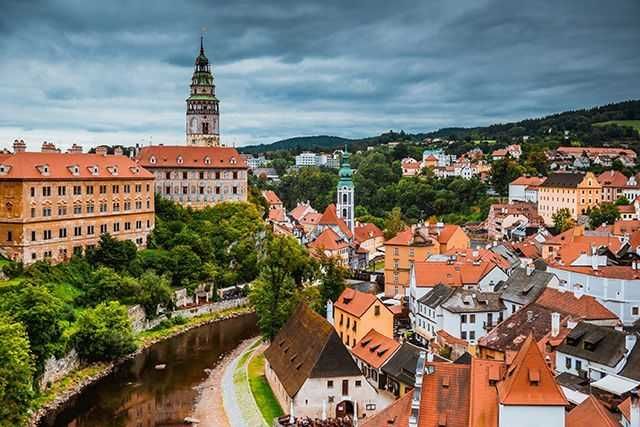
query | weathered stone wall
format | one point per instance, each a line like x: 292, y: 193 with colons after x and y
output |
x: 54, y: 369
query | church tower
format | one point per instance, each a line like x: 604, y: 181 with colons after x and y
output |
x: 346, y: 199
x: 203, y: 116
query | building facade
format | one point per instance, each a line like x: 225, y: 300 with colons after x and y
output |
x: 196, y: 176
x: 577, y: 192
x: 57, y: 204
x: 203, y: 114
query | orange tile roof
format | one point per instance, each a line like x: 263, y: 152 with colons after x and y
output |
x: 356, y: 303
x: 574, y: 243
x: 586, y: 307
x: 445, y: 396
x: 609, y: 271
x: 625, y: 408
x: 532, y: 181
x: 394, y: 415
x: 271, y: 197
x: 483, y: 411
x: 597, y: 151
x: 366, y: 231
x: 62, y: 166
x: 612, y: 179
x: 277, y: 215
x: 328, y: 240
x: 450, y: 339
x: 465, y: 270
x: 621, y: 227
x: 402, y: 238
x: 591, y: 412
x: 626, y: 209
x: 192, y: 157
x: 330, y: 217
x: 311, y: 218
x: 405, y: 237
x: 375, y: 349
x: 529, y: 368
x: 302, y: 209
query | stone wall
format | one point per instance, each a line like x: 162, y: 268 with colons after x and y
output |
x: 54, y: 369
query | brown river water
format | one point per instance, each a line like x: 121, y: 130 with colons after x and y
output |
x: 138, y: 395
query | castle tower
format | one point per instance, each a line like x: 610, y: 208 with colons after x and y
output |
x: 345, y: 205
x: 203, y: 116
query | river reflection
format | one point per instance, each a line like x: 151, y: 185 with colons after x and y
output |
x: 138, y: 395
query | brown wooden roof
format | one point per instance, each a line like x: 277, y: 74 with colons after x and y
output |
x: 308, y: 346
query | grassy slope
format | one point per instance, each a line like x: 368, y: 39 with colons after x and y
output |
x: 267, y: 402
x: 630, y: 123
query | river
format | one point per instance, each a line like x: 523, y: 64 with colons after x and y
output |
x: 138, y: 395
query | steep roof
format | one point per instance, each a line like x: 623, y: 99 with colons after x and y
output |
x: 394, y: 415
x: 328, y: 240
x: 277, y: 215
x: 445, y: 397
x: 366, y: 231
x: 69, y: 166
x: 330, y: 217
x: 528, y: 381
x: 402, y: 365
x: 612, y: 178
x: 375, y: 349
x: 437, y: 296
x: 411, y: 235
x: 357, y: 303
x: 586, y: 307
x: 591, y: 412
x: 483, y: 410
x: 271, y: 197
x: 564, y: 179
x: 457, y: 268
x: 523, y: 288
x: 182, y: 156
x: 295, y: 357
x: 302, y: 209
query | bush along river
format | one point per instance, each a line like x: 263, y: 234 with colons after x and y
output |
x: 143, y: 392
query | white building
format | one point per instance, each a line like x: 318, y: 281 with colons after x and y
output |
x: 525, y: 189
x: 307, y: 158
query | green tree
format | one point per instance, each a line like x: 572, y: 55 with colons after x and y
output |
x: 16, y: 373
x: 107, y: 285
x: 188, y: 266
x: 503, y: 172
x: 41, y: 313
x: 332, y: 281
x: 393, y: 223
x: 280, y: 165
x: 622, y: 201
x: 154, y: 290
x: 562, y: 220
x: 113, y: 253
x: 104, y: 332
x: 606, y: 213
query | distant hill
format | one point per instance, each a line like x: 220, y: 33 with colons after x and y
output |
x: 612, y: 123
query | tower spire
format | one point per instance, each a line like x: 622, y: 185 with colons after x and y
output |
x: 202, y: 43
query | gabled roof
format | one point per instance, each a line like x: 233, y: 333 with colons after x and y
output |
x: 271, y: 197
x: 375, y: 349
x: 357, y: 303
x: 533, y: 181
x: 366, y: 231
x: 328, y: 240
x: 414, y: 235
x: 69, y: 166
x: 612, y: 178
x: 183, y: 156
x: 528, y: 381
x: 472, y: 301
x: 306, y: 347
x: 302, y: 209
x: 523, y: 288
x: 483, y: 410
x: 402, y: 365
x: 445, y: 397
x: 591, y: 412
x: 586, y: 307
x: 330, y: 217
x: 564, y: 179
x: 437, y: 296
x: 277, y: 215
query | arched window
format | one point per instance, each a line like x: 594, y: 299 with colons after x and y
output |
x: 344, y: 199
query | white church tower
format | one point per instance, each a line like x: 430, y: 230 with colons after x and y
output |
x: 345, y: 205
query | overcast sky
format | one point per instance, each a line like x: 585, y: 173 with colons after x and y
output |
x: 117, y: 71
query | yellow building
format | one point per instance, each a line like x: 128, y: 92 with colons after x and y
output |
x: 57, y: 204
x: 355, y: 313
x: 416, y: 244
x: 575, y: 191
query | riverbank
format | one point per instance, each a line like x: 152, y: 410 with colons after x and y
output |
x: 73, y: 384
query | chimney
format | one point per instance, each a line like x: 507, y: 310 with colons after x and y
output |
x: 19, y: 146
x: 414, y: 418
x: 529, y: 269
x: 594, y: 262
x: 635, y: 409
x: 630, y: 342
x: 555, y: 324
x: 101, y: 150
x: 118, y: 151
x: 48, y: 147
x: 330, y: 311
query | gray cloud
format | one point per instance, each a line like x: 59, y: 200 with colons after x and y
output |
x: 118, y: 71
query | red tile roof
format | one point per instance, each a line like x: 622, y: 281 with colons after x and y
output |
x: 626, y: 209
x: 597, y: 151
x: 356, y: 303
x: 366, y: 231
x: 609, y: 271
x: 483, y: 411
x: 528, y: 381
x: 181, y: 156
x: 271, y: 197
x: 586, y: 307
x: 591, y: 412
x: 394, y: 415
x: 445, y: 397
x: 439, y: 234
x: 532, y: 181
x: 300, y: 210
x: 612, y: 179
x: 277, y: 214
x: 375, y: 349
x: 465, y: 270
x: 69, y: 166
x: 625, y: 408
x: 328, y: 240
x: 330, y: 217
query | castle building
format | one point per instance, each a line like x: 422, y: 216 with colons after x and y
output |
x: 57, y: 204
x: 345, y: 206
x: 203, y: 115
x: 196, y: 176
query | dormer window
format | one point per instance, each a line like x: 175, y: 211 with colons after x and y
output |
x: 74, y: 169
x: 113, y: 170
x: 233, y: 161
x: 43, y: 169
x: 180, y: 160
x: 134, y: 170
x: 4, y: 169
x: 152, y: 160
x: 207, y: 161
x: 93, y: 169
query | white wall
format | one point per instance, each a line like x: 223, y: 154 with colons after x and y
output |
x: 517, y: 193
x: 531, y: 416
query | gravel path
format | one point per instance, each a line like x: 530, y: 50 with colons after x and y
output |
x: 239, y: 404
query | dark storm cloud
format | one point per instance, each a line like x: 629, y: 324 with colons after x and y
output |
x: 88, y: 71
